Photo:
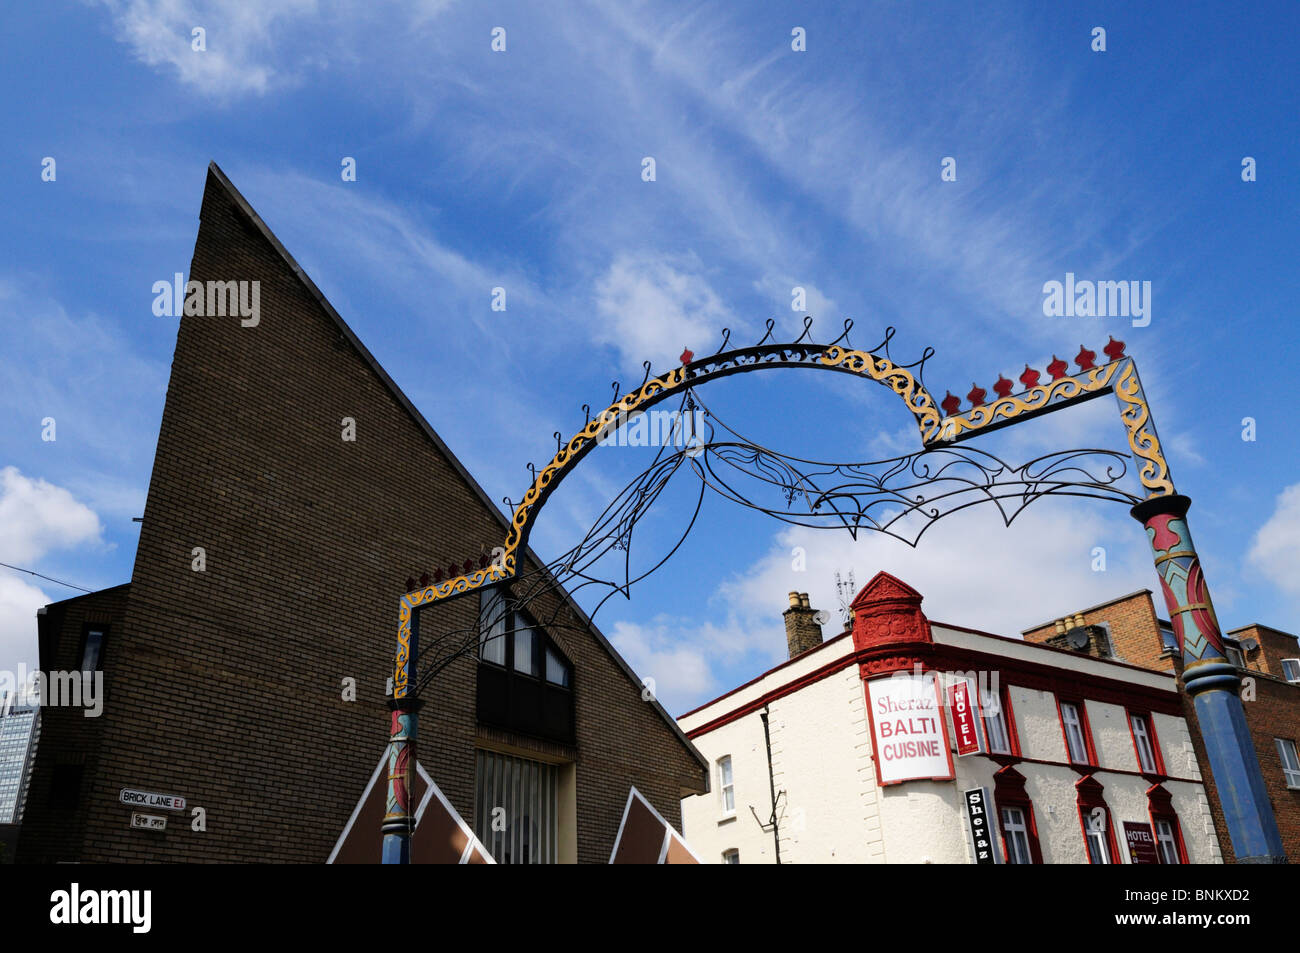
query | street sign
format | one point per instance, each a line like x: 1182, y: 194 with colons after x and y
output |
x: 162, y: 802
x: 148, y: 822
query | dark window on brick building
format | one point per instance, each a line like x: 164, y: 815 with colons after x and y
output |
x: 525, y: 683
x: 92, y: 647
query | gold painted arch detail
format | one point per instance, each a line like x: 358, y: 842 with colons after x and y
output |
x: 935, y: 429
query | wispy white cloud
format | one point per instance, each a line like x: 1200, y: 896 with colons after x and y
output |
x: 251, y: 49
x: 39, y: 516
x: 971, y: 570
x: 651, y: 307
x: 1275, y: 549
x: 19, y: 601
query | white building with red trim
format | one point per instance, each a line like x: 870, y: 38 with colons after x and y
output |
x: 906, y: 741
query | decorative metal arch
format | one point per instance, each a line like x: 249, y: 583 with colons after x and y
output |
x: 1208, y: 677
x: 937, y: 425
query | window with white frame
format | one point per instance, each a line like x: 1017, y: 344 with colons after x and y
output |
x: 731, y: 856
x: 1167, y: 842
x: 726, y: 786
x: 1094, y: 826
x: 1290, y: 761
x: 1015, y: 833
x: 1072, y: 719
x: 995, y: 722
x: 1143, y: 741
x: 1291, y: 669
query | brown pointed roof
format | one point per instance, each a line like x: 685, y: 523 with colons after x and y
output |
x: 215, y: 175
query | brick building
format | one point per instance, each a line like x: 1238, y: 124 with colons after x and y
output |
x: 902, y: 740
x: 272, y: 555
x: 1128, y: 629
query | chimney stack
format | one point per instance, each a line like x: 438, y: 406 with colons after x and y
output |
x: 802, y: 631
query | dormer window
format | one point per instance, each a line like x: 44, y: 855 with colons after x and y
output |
x: 525, y: 683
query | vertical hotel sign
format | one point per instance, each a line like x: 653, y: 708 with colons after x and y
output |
x: 965, y: 723
x: 908, y: 733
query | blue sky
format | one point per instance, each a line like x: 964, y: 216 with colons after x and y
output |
x: 775, y: 168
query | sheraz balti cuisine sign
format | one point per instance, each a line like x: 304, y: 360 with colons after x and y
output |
x: 907, y: 729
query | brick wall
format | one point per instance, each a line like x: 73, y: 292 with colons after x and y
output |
x: 1134, y: 630
x: 68, y: 737
x: 226, y: 685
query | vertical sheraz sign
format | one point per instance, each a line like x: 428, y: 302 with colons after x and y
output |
x: 909, y: 736
x: 965, y: 722
x: 981, y: 830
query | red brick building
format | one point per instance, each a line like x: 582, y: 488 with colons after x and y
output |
x: 272, y: 555
x: 1128, y: 629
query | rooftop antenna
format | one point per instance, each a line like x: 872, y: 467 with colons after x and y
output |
x: 846, y: 589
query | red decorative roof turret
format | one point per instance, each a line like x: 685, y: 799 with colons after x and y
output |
x: 888, y: 611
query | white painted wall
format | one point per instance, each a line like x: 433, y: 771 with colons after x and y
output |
x: 833, y: 810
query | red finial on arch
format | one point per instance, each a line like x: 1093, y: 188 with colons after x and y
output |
x: 687, y: 356
x: 950, y: 404
x: 1030, y: 377
x: 1003, y: 386
x: 1115, y: 349
x: 976, y: 395
x: 1057, y: 368
x: 1085, y: 358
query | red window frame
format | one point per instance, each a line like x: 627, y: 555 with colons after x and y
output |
x: 1145, y: 715
x: 1089, y: 751
x: 1160, y: 807
x: 1009, y: 791
x: 1090, y: 796
x: 1009, y: 717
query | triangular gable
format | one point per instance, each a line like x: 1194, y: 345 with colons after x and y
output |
x: 441, y: 836
x: 644, y: 837
x: 245, y: 209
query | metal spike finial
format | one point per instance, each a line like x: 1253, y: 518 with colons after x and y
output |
x: 557, y: 435
x: 726, y: 339
x: 807, y: 329
x: 771, y: 323
x: 586, y: 415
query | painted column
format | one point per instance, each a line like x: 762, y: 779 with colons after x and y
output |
x: 1211, y: 682
x: 403, y: 726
